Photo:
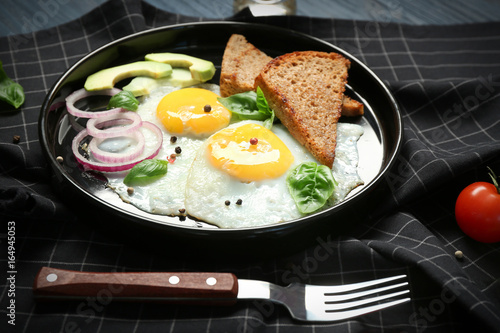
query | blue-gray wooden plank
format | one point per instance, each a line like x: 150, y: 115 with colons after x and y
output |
x: 19, y: 17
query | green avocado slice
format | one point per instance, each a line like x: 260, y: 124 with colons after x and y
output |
x: 106, y: 78
x: 143, y: 85
x: 201, y: 69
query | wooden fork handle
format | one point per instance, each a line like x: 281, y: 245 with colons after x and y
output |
x: 200, y: 288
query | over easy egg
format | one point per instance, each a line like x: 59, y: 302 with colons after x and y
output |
x: 264, y: 200
x: 229, y: 175
x: 166, y: 195
x: 236, y: 195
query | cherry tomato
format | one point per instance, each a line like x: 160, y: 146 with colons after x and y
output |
x: 477, y: 211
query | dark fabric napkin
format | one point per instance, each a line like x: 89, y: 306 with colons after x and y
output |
x: 447, y: 82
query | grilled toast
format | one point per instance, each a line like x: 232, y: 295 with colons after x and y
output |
x: 306, y: 90
x: 242, y: 62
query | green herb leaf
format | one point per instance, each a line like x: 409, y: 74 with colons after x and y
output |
x: 262, y: 104
x: 310, y: 185
x: 249, y: 105
x: 10, y: 91
x: 243, y: 105
x: 146, y: 171
x: 124, y: 99
x: 268, y: 123
x: 264, y: 108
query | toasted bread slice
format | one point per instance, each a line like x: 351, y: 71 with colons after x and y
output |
x: 242, y: 62
x: 305, y: 90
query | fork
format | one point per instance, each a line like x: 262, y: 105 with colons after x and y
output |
x: 304, y: 302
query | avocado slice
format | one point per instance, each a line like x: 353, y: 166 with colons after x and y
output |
x: 143, y: 85
x: 201, y: 69
x: 106, y: 78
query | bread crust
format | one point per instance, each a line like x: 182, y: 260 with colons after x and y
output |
x: 306, y: 89
x: 352, y: 108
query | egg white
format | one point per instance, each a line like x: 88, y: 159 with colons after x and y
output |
x: 345, y: 164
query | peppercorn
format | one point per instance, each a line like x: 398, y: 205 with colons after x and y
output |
x: 59, y: 159
x: 254, y: 141
x: 207, y: 108
x: 239, y: 202
x: 173, y: 139
x: 130, y: 190
x: 178, y: 150
x: 182, y: 210
x: 459, y: 255
x: 227, y: 202
x: 16, y: 139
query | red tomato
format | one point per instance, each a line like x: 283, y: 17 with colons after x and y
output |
x: 477, y: 212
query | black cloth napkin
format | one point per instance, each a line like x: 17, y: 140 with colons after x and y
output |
x: 447, y: 82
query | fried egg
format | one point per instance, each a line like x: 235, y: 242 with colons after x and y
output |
x: 231, y: 175
x: 166, y: 195
x: 234, y: 184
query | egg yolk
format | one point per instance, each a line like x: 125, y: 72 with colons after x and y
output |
x: 192, y: 111
x: 249, y: 152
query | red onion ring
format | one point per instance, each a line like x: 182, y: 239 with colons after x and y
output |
x: 113, y: 167
x: 109, y: 157
x: 82, y: 93
x: 94, y: 125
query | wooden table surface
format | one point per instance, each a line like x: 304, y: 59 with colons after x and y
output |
x: 20, y: 17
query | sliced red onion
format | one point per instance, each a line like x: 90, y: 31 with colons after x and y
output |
x: 110, y: 157
x: 82, y: 93
x: 113, y: 167
x: 95, y: 125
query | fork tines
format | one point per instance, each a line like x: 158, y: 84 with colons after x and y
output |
x: 346, y: 301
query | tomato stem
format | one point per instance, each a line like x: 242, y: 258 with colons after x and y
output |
x: 494, y: 179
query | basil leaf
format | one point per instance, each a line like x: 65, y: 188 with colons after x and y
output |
x: 268, y: 123
x: 264, y: 108
x: 124, y: 99
x: 250, y: 105
x: 146, y: 171
x: 10, y: 91
x: 310, y: 185
x: 262, y: 104
x: 243, y: 105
